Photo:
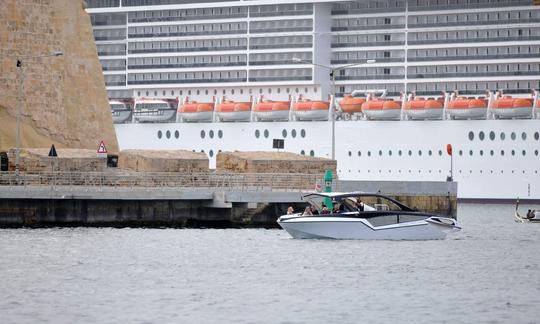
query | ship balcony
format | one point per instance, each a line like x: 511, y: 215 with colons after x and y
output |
x: 113, y: 68
x: 280, y: 30
x: 471, y: 57
x: 188, y: 33
x: 370, y: 77
x: 378, y: 59
x: 110, y: 38
x: 187, y: 49
x: 472, y: 74
x: 186, y: 18
x: 184, y: 81
x: 183, y: 66
x: 365, y: 44
x: 473, y: 40
x: 112, y: 53
x: 505, y: 22
x: 486, y: 4
x: 282, y: 13
x: 284, y: 78
x: 366, y: 27
x: 275, y: 46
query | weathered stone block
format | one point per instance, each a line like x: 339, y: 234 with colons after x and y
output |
x: 163, y: 161
x: 68, y: 160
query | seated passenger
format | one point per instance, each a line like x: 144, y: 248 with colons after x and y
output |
x: 325, y: 210
x: 530, y: 214
x: 360, y: 205
x: 290, y: 210
x: 314, y: 211
x: 307, y: 212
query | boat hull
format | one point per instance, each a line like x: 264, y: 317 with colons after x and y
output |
x: 155, y: 116
x: 425, y: 113
x: 277, y: 115
x: 121, y: 116
x: 345, y: 228
x: 518, y: 112
x: 310, y: 115
x: 234, y: 116
x: 386, y: 114
x: 197, y: 117
x: 467, y: 113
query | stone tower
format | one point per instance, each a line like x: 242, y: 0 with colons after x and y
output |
x: 64, y: 97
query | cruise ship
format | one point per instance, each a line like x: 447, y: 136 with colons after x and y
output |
x: 381, y: 86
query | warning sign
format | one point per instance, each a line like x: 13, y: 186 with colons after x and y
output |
x: 102, y: 149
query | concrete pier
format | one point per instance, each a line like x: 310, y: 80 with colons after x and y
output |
x: 209, y: 199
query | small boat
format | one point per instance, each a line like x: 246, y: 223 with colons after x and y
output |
x: 351, y: 105
x: 269, y: 110
x: 232, y: 111
x: 382, y: 109
x: 154, y: 110
x: 533, y: 216
x: 193, y: 111
x: 305, y: 109
x: 385, y: 219
x: 509, y: 107
x: 467, y: 108
x: 120, y: 112
x: 420, y: 108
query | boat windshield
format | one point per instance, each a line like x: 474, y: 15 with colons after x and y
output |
x: 350, y: 203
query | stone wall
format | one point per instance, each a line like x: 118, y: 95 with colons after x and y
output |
x: 68, y: 160
x: 163, y: 161
x: 272, y: 162
x: 64, y: 98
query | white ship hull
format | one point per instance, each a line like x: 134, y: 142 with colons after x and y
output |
x: 500, y: 162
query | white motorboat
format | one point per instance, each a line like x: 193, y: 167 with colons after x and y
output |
x: 384, y: 219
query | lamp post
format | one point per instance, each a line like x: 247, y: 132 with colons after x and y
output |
x: 19, y: 107
x: 332, y: 92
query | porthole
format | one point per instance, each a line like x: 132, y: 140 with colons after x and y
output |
x: 503, y: 136
x: 155, y: 93
x: 202, y: 151
x: 389, y: 152
x: 470, y: 153
x: 350, y: 153
x: 481, y: 152
x: 203, y: 134
x: 536, y: 152
x: 284, y: 133
x: 293, y: 133
x: 481, y: 136
x: 492, y: 135
x: 311, y: 153
x: 460, y: 152
x: 513, y: 152
x: 266, y: 133
x: 176, y: 134
x: 502, y: 152
x: 303, y: 133
x: 419, y: 152
x: 513, y: 136
x: 536, y: 136
x: 359, y: 153
x: 410, y: 153
x: 440, y: 152
x: 211, y: 153
x: 430, y: 153
x: 471, y: 136
x: 303, y: 152
x: 220, y: 133
x: 491, y: 152
x: 168, y: 134
x: 211, y: 133
x: 524, y: 136
x: 159, y: 134
x: 368, y: 153
x: 524, y: 152
x: 400, y: 153
x: 219, y: 151
x: 257, y: 133
x: 380, y: 152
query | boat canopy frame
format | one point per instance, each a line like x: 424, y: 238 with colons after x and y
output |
x: 339, y: 196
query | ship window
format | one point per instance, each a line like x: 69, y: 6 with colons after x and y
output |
x: 419, y: 152
x: 311, y: 153
x: 536, y: 152
x: 380, y: 153
x: 430, y: 153
x: 350, y: 153
x: 513, y: 152
x: 266, y: 133
x: 523, y: 152
x: 138, y: 94
x: 159, y: 134
x: 176, y: 134
x: 203, y: 134
x: 359, y: 153
x: 502, y: 152
x: 513, y: 136
x: 399, y: 152
x: 471, y: 136
x: 440, y: 152
x: 410, y: 152
x: 470, y: 152
x: 303, y: 133
x: 172, y: 93
x: 220, y: 133
x: 536, y: 136
x: 147, y: 93
x: 368, y: 153
x: 211, y: 153
x: 389, y: 152
x: 481, y: 152
x: 211, y: 133
x: 460, y: 152
x: 164, y: 93
x: 523, y: 136
x: 503, y: 136
x: 491, y: 152
x: 492, y: 135
x: 293, y: 133
x: 257, y: 133
x: 481, y: 136
x: 303, y: 152
x: 284, y: 133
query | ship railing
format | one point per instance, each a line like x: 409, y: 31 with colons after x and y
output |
x: 160, y: 180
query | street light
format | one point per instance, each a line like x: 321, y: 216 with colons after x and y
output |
x: 332, y: 92
x: 19, y: 108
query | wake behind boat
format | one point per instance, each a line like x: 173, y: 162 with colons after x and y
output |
x: 532, y: 216
x: 385, y: 219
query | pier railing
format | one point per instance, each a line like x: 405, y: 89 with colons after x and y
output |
x: 242, y: 181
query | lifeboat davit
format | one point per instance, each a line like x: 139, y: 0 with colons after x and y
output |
x: 381, y: 109
x: 310, y: 110
x: 120, y: 112
x: 233, y: 111
x: 420, y: 108
x: 269, y: 110
x: 193, y: 111
x: 462, y: 107
x: 351, y: 105
x: 154, y: 110
x: 508, y: 107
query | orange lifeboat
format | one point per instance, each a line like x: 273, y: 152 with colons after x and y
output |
x: 230, y: 110
x: 380, y: 109
x: 420, y: 108
x: 310, y: 110
x: 508, y: 107
x: 193, y: 111
x: 269, y: 110
x: 351, y: 105
x: 462, y: 107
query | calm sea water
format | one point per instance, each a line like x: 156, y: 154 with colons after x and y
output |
x: 487, y: 273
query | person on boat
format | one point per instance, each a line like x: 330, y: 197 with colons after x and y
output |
x: 325, y: 210
x: 314, y: 211
x: 530, y: 214
x: 307, y: 212
x: 360, y: 205
x: 290, y: 210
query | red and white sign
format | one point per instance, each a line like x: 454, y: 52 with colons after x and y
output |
x: 102, y: 149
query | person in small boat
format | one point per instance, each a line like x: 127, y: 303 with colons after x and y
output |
x: 314, y: 211
x: 359, y: 205
x: 325, y: 210
x: 290, y: 210
x: 307, y: 212
x: 530, y: 214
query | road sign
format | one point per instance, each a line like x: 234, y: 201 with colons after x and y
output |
x: 102, y: 149
x: 52, y: 152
